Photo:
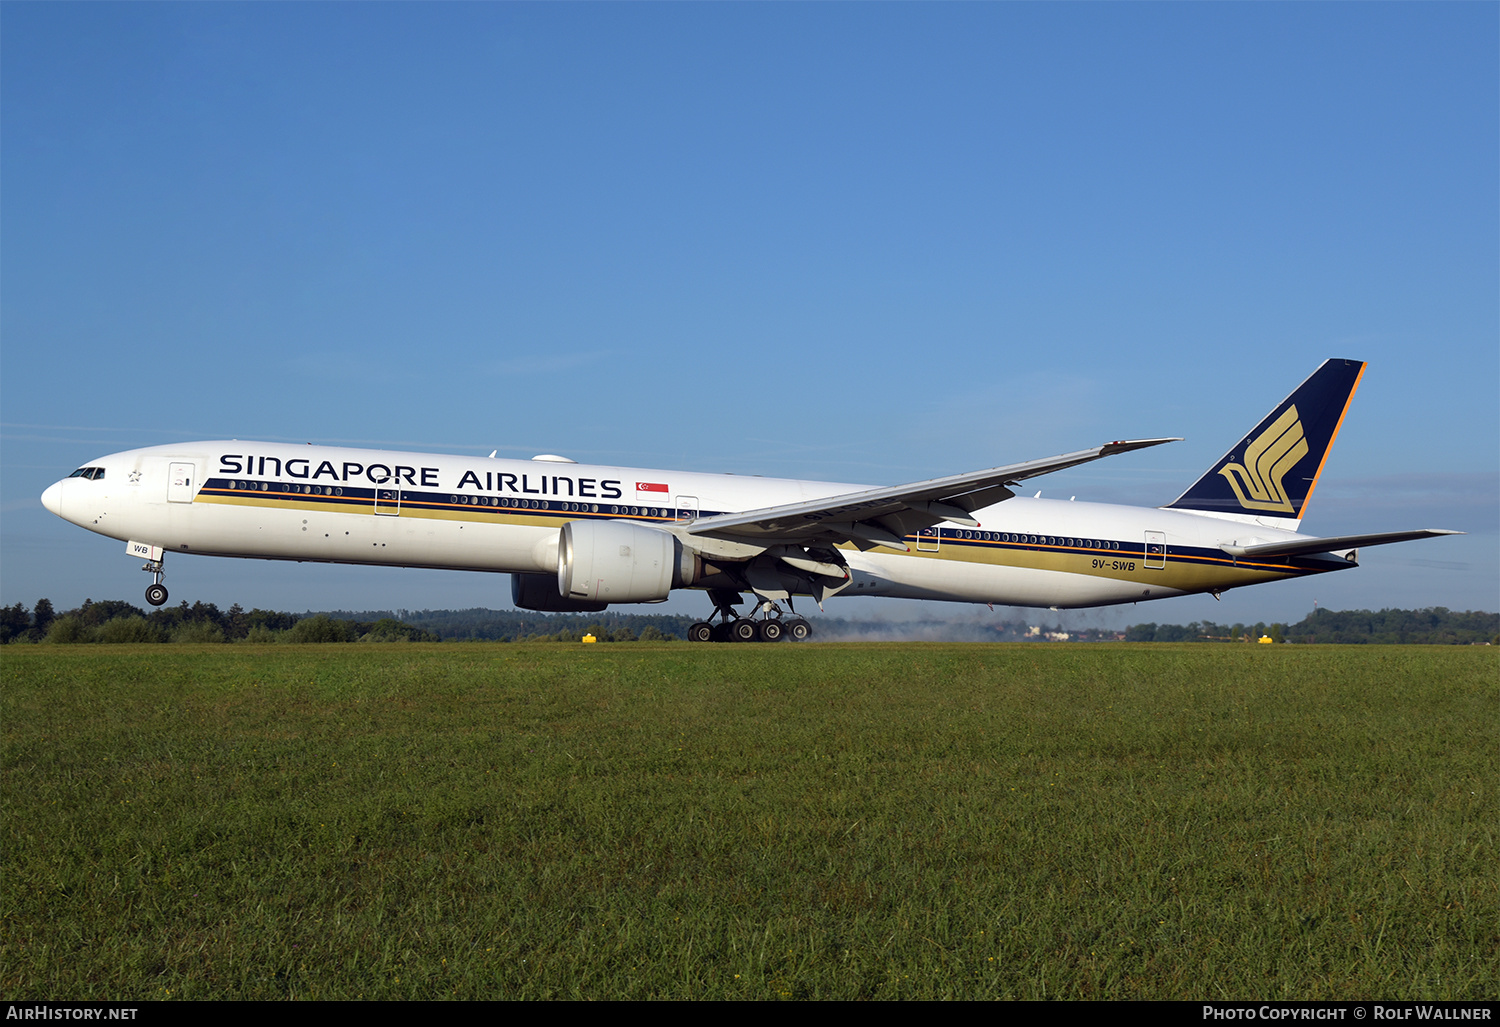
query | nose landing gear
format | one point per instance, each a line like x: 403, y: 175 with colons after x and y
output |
x: 156, y: 592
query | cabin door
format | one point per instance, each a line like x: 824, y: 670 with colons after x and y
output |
x: 1156, y: 550
x: 182, y: 482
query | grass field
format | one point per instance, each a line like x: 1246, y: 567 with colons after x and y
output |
x: 816, y: 821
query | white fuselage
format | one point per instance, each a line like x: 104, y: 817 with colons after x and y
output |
x: 317, y: 503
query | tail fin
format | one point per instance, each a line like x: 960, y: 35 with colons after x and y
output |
x: 1271, y: 473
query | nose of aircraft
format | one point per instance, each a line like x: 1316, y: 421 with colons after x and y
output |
x: 52, y: 498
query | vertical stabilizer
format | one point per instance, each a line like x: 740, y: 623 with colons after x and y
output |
x: 1271, y: 473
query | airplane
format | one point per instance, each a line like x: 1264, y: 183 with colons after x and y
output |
x: 577, y: 537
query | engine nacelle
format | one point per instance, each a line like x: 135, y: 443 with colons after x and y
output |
x: 539, y: 592
x: 621, y: 562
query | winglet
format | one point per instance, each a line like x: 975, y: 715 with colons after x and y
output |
x: 1125, y: 446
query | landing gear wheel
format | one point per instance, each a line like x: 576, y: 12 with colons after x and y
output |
x: 156, y: 594
x: 798, y: 630
x: 742, y: 630
x: 770, y: 631
x: 719, y: 633
x: 701, y: 632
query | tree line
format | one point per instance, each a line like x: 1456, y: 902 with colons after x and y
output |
x: 116, y: 621
x: 1435, y: 625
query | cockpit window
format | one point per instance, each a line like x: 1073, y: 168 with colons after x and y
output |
x: 92, y: 473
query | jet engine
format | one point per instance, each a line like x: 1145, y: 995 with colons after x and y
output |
x: 621, y: 562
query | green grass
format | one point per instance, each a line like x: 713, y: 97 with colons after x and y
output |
x: 816, y: 821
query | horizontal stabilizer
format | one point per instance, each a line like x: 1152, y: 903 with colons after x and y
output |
x: 1338, y: 543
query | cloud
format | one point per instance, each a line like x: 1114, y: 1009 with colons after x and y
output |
x: 1443, y: 565
x: 1470, y: 500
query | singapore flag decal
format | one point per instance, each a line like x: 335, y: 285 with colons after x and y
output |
x: 649, y: 486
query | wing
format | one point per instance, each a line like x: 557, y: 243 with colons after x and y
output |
x: 883, y: 517
x: 1333, y: 544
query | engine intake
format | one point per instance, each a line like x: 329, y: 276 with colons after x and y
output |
x: 621, y: 562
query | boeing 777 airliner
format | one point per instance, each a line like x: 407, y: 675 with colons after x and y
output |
x: 577, y: 537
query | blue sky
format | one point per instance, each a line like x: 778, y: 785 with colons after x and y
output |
x: 853, y: 242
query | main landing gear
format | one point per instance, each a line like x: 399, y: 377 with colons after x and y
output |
x: 734, y: 628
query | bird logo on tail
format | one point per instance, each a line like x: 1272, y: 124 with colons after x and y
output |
x: 1274, y: 452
